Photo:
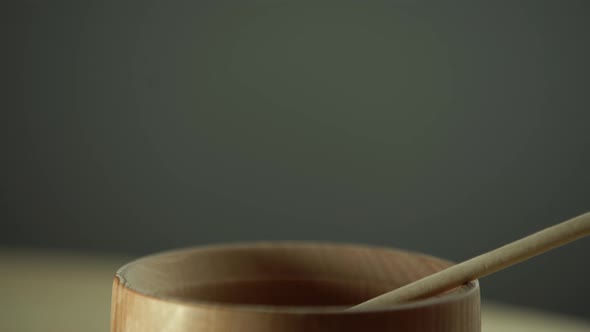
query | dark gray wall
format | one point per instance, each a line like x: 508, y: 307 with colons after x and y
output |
x: 444, y: 129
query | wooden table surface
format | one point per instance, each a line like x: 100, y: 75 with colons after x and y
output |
x: 53, y: 291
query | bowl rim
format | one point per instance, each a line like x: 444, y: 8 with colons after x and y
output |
x: 462, y: 292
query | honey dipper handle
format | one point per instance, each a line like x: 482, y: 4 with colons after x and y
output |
x: 484, y: 264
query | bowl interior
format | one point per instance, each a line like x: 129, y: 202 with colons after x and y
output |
x: 277, y: 274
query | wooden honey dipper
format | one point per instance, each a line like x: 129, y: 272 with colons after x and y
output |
x: 484, y: 264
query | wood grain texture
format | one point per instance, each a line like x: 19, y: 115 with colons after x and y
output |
x: 285, y: 286
x: 41, y: 289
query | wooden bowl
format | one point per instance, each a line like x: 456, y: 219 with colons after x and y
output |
x: 283, y: 286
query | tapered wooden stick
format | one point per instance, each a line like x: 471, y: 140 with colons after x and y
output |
x: 484, y: 264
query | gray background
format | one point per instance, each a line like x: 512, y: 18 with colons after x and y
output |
x: 448, y: 129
